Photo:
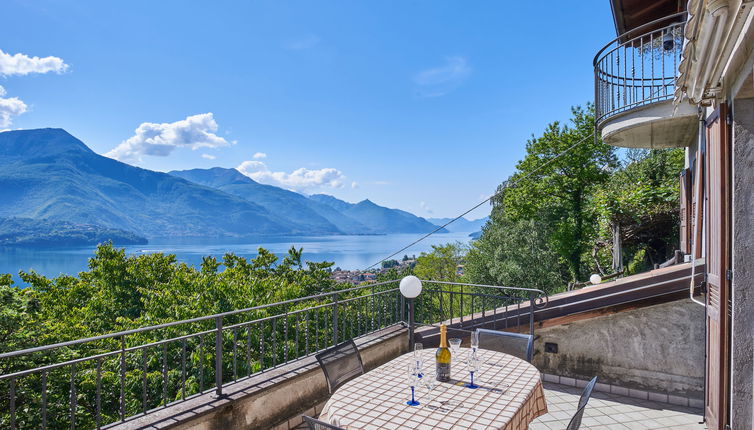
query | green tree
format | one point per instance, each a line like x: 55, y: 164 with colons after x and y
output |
x: 441, y: 264
x: 515, y: 254
x: 557, y: 189
x: 642, y: 199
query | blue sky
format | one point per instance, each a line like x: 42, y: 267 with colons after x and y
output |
x: 420, y: 105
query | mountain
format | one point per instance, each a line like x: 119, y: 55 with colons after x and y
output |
x: 378, y: 218
x: 42, y: 232
x: 288, y: 205
x: 49, y: 174
x: 320, y: 213
x: 462, y: 225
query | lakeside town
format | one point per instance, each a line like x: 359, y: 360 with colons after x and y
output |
x: 356, y: 277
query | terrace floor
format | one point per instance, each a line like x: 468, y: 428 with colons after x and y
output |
x: 609, y: 411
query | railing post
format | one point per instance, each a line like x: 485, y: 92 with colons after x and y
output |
x: 531, y: 312
x: 219, y: 356
x: 411, y: 324
x: 335, y: 321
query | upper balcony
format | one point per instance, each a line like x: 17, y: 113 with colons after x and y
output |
x: 635, y: 84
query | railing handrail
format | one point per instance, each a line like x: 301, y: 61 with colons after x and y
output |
x: 539, y: 292
x: 27, y: 351
x: 187, y: 321
x: 641, y: 27
x: 620, y: 84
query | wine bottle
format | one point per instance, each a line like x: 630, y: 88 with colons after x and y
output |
x: 442, y: 356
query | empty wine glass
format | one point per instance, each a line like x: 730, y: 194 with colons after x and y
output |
x: 473, y: 366
x: 430, y: 382
x: 412, y: 379
x: 418, y: 360
x: 455, y: 345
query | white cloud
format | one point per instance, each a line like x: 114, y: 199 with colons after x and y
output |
x: 426, y: 207
x: 22, y: 64
x: 306, y: 42
x: 208, y: 156
x: 299, y: 180
x: 196, y: 131
x: 259, y: 155
x: 9, y: 107
x: 354, y: 185
x: 441, y: 80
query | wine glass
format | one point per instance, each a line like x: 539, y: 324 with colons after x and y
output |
x: 473, y: 366
x: 430, y: 382
x: 455, y: 345
x: 419, y: 361
x: 412, y: 379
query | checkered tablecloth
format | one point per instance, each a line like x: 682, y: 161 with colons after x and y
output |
x: 510, y: 396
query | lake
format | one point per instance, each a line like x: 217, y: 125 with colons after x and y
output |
x: 347, y: 252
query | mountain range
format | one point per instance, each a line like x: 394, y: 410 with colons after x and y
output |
x: 47, y: 174
x: 462, y: 225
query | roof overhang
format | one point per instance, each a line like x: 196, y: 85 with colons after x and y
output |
x: 629, y: 14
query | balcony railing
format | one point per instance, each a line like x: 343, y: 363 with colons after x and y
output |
x: 98, y: 381
x: 638, y: 68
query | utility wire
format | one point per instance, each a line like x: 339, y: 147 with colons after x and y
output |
x: 506, y: 185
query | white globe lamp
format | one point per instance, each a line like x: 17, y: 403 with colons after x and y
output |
x: 595, y: 279
x: 411, y: 287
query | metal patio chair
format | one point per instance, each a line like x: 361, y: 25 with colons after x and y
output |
x: 516, y: 344
x: 585, y: 395
x: 315, y: 424
x: 340, y: 364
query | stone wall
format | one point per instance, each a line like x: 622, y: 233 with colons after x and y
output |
x: 657, y: 348
x: 742, y: 382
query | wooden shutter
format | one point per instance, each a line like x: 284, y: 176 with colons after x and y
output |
x: 685, y: 213
x: 717, y: 257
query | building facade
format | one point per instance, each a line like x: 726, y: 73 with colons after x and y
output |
x: 680, y: 74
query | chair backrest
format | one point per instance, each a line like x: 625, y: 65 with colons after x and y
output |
x: 516, y: 344
x: 315, y: 424
x: 340, y: 363
x: 585, y: 395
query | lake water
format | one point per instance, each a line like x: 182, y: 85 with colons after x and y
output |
x: 347, y: 252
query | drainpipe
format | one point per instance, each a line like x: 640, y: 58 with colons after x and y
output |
x: 698, y: 181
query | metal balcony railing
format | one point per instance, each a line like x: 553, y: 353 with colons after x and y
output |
x: 102, y: 380
x: 638, y: 68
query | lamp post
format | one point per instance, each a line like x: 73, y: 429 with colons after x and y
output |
x: 595, y: 279
x: 410, y: 287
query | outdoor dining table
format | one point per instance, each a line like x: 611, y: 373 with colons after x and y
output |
x: 510, y: 396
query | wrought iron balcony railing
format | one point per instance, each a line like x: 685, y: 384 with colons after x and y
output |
x: 638, y: 68
x: 98, y: 381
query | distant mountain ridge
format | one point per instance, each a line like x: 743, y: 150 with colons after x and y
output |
x: 378, y: 218
x: 321, y: 213
x: 461, y: 225
x: 47, y: 174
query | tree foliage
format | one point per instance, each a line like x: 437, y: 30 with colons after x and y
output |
x: 120, y: 292
x: 555, y: 225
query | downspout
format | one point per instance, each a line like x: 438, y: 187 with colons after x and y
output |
x: 700, y: 145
